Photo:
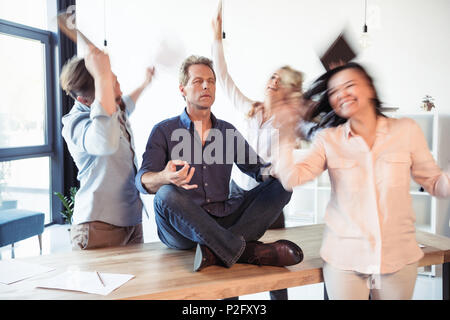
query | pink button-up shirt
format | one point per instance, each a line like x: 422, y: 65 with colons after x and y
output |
x: 369, y: 221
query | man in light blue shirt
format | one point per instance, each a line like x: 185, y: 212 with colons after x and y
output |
x: 108, y: 209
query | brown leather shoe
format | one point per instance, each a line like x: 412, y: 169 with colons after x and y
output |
x: 280, y: 253
x: 204, y: 257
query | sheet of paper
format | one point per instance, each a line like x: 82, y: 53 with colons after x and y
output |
x: 12, y: 271
x: 168, y: 52
x: 86, y: 282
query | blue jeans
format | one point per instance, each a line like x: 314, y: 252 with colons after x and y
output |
x: 182, y: 223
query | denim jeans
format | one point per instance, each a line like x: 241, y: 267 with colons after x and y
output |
x: 182, y: 223
x: 281, y: 294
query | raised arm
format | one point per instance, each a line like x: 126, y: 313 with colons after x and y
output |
x: 99, y: 66
x: 149, y: 73
x: 96, y: 132
x: 239, y: 100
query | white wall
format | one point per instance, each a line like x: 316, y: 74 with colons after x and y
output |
x: 409, y: 55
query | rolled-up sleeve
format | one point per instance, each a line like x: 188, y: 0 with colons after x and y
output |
x: 424, y: 168
x: 129, y: 104
x: 94, y: 132
x: 138, y: 183
x: 154, y: 158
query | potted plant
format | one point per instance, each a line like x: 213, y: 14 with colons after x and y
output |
x: 68, y: 203
x: 427, y: 103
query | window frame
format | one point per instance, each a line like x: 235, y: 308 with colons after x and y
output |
x: 45, y: 37
x: 53, y: 141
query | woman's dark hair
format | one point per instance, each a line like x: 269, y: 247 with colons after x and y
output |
x: 320, y: 110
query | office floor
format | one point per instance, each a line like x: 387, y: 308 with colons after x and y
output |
x: 56, y: 239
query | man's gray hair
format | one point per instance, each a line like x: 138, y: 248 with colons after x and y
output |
x: 190, y: 61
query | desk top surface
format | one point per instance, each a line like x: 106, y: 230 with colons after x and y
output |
x: 162, y: 273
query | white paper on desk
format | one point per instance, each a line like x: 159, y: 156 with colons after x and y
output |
x: 12, y: 271
x: 86, y: 282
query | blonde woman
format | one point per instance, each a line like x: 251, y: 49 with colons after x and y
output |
x: 259, y: 131
x: 258, y: 116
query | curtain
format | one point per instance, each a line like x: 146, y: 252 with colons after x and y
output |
x: 67, y: 49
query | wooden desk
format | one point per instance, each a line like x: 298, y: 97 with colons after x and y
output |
x: 162, y: 273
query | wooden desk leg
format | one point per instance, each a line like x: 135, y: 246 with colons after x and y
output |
x: 446, y: 281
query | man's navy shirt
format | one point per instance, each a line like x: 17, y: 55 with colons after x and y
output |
x: 213, y: 162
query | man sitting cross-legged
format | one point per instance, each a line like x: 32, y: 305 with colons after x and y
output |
x: 187, y: 164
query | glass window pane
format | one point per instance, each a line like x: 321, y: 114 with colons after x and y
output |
x: 23, y: 105
x: 32, y: 13
x: 25, y: 184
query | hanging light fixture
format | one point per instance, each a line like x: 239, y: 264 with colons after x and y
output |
x: 223, y: 19
x: 105, y: 42
x: 225, y: 41
x: 365, y: 40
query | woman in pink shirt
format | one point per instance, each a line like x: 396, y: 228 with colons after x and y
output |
x: 369, y: 245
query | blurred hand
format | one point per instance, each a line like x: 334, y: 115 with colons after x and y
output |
x: 149, y: 73
x: 288, y: 113
x: 217, y: 23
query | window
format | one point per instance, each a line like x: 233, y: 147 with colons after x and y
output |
x: 23, y: 109
x: 25, y: 184
x: 29, y: 165
x: 32, y: 13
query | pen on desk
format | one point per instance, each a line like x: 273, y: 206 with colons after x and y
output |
x: 100, y: 278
